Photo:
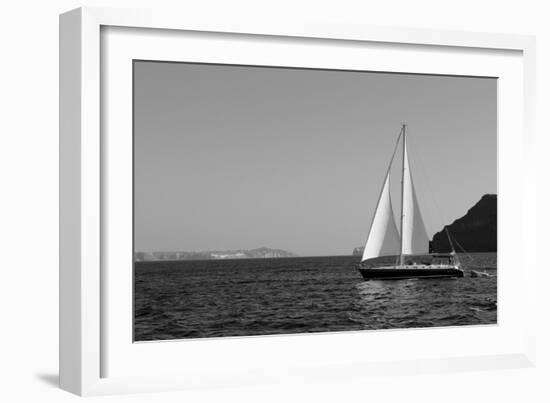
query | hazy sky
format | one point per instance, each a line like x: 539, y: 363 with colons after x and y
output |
x: 233, y: 157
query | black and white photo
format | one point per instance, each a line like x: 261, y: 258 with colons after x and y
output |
x: 271, y: 200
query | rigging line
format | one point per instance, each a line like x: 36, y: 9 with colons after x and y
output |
x: 450, y: 240
x: 395, y: 149
x: 433, y: 199
x: 382, y: 188
x: 461, y: 247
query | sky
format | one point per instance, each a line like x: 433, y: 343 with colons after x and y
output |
x: 240, y: 157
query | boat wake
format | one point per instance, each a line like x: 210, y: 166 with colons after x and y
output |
x: 480, y: 274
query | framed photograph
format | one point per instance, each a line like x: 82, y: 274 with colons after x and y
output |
x: 249, y: 201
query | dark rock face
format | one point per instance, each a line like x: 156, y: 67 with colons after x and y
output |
x: 475, y: 232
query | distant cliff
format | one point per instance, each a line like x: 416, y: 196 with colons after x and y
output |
x: 257, y: 253
x: 358, y: 251
x: 475, y: 232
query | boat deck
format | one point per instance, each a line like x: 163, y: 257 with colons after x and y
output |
x: 413, y: 271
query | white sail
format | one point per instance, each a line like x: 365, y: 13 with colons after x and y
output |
x: 414, y: 238
x: 383, y: 237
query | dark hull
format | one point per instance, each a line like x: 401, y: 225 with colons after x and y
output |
x: 398, y: 274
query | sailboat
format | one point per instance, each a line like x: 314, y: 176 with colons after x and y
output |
x: 410, y: 245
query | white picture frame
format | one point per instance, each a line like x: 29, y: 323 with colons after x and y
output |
x: 96, y: 355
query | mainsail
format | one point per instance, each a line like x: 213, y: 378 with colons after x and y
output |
x: 383, y: 237
x: 414, y: 238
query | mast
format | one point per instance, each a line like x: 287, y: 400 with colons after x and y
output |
x: 401, y: 257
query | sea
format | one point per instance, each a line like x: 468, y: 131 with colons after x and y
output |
x: 220, y: 298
